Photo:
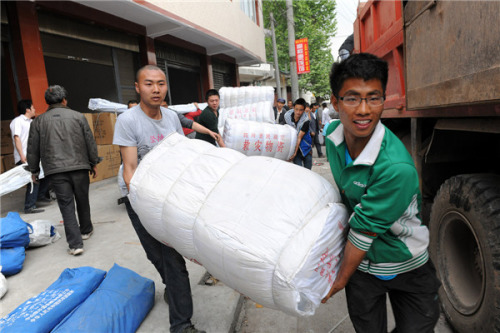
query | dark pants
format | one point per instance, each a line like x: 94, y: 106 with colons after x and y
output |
x: 40, y: 190
x: 413, y: 297
x: 70, y: 187
x: 317, y: 144
x: 305, y: 161
x: 172, y: 268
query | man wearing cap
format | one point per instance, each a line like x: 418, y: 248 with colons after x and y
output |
x: 279, y: 112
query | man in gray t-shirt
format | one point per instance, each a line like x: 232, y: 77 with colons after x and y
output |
x: 137, y: 131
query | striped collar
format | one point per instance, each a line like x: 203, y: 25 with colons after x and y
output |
x: 372, y: 148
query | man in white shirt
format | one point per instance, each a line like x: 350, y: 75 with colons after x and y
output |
x: 20, y: 128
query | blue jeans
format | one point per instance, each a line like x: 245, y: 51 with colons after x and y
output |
x: 39, y: 191
x: 172, y: 268
x: 306, y: 161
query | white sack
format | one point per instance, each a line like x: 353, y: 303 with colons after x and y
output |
x: 103, y: 105
x: 14, y: 179
x: 260, y: 139
x: 42, y: 232
x: 270, y: 229
x: 239, y: 96
x: 186, y: 108
x: 261, y: 112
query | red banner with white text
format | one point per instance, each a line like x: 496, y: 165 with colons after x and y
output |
x: 302, y: 56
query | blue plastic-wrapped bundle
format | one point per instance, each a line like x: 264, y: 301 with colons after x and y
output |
x: 12, y: 260
x: 120, y: 304
x: 13, y: 231
x: 44, y: 311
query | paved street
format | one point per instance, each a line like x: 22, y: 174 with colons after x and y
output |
x: 217, y: 309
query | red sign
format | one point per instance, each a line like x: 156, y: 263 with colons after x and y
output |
x: 302, y: 56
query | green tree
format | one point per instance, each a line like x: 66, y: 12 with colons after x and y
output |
x: 314, y: 19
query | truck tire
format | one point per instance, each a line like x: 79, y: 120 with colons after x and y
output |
x: 465, y: 248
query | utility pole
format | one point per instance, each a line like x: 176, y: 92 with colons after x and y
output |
x: 275, y: 53
x: 291, y: 50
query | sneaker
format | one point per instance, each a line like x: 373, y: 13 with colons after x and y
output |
x: 75, y: 252
x: 33, y: 210
x: 191, y: 329
x: 87, y: 236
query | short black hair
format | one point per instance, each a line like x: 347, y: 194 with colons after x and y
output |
x: 211, y: 92
x: 324, y: 104
x: 364, y: 66
x: 148, y: 67
x: 132, y: 101
x: 55, y: 94
x: 300, y: 101
x: 23, y: 105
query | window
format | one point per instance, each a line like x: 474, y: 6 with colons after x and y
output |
x: 248, y: 7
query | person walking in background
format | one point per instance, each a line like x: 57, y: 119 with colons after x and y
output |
x: 279, y: 111
x: 137, y: 131
x: 209, y: 118
x: 386, y: 248
x: 317, y: 129
x: 62, y: 140
x: 298, y: 119
x: 20, y: 128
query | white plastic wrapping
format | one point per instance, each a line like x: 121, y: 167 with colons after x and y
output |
x: 260, y: 139
x: 103, y: 105
x: 186, y: 108
x: 239, y: 96
x: 270, y: 229
x: 14, y: 179
x: 261, y: 112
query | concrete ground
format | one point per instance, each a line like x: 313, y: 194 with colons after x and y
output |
x: 217, y: 308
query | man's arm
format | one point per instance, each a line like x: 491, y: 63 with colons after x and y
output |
x: 299, y: 138
x: 19, y: 148
x: 203, y: 130
x: 129, y: 157
x: 350, y: 262
x: 33, y: 149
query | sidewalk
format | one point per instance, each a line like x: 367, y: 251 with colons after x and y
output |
x: 217, y: 309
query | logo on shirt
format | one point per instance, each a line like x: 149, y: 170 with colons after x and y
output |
x: 359, y: 184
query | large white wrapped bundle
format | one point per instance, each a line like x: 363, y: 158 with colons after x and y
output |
x: 240, y: 96
x: 260, y: 112
x: 103, y: 105
x: 267, y: 228
x: 260, y: 139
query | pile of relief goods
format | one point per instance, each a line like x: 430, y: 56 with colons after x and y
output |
x: 269, y: 229
x: 247, y: 125
x: 85, y: 299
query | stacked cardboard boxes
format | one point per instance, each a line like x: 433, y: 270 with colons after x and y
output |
x: 103, y: 127
x: 7, y: 150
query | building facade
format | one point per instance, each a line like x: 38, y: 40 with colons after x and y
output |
x: 94, y: 48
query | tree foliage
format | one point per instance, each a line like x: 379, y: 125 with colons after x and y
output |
x: 314, y: 19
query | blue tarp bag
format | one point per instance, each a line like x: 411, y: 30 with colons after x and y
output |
x: 13, y: 231
x: 44, y: 311
x: 119, y: 305
x: 12, y: 260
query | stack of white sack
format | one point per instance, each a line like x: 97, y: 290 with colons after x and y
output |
x: 239, y: 96
x: 260, y: 139
x: 269, y: 229
x: 261, y: 112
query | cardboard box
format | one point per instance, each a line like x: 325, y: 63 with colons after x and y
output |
x: 6, y: 138
x: 110, y: 164
x: 8, y: 162
x: 104, y: 127
x: 90, y: 120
